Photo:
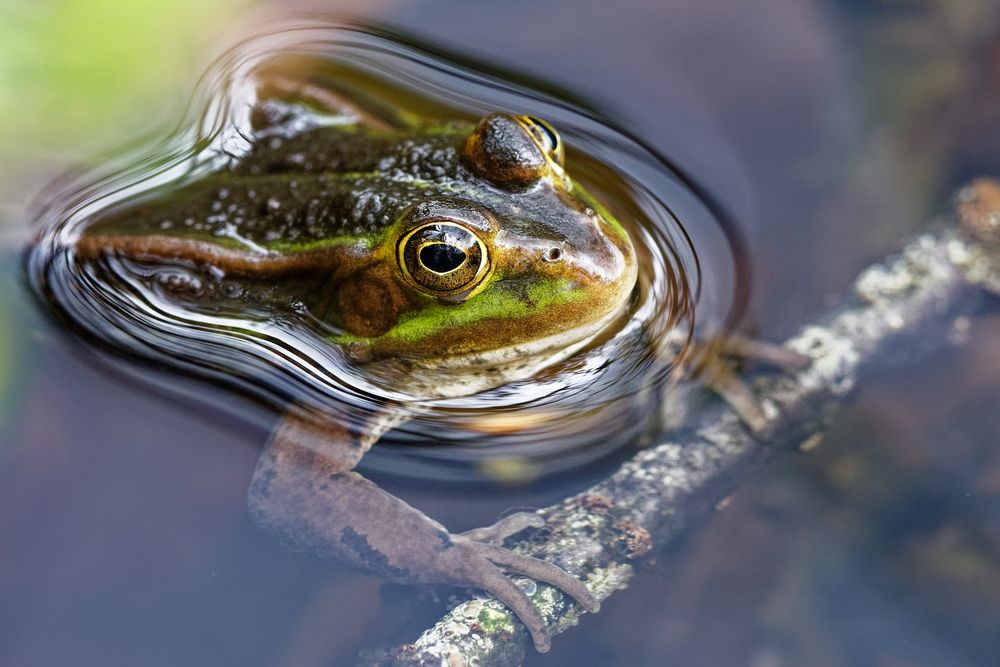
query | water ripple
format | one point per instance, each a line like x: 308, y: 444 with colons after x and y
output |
x: 576, y: 412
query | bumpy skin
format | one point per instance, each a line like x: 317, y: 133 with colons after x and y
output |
x: 325, y: 212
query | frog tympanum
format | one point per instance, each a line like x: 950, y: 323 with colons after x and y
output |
x: 461, y: 252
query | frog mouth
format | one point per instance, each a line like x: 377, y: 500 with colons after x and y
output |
x: 459, y: 375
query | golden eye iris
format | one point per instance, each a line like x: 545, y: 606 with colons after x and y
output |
x: 545, y: 136
x: 443, y: 258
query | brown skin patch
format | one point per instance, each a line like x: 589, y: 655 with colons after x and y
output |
x: 500, y: 151
x: 491, y: 333
x: 371, y: 301
x: 203, y: 253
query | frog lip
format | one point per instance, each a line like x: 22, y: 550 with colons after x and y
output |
x: 458, y: 375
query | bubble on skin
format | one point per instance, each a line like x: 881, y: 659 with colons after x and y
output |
x: 527, y: 585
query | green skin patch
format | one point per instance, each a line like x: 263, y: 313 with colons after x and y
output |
x: 341, y: 213
x: 496, y: 301
x: 360, y: 243
x: 493, y: 302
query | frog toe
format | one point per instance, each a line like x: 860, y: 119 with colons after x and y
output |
x: 505, y: 527
x: 488, y: 567
x: 542, y: 571
x: 497, y: 584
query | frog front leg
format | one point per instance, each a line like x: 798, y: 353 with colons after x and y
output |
x: 305, y: 491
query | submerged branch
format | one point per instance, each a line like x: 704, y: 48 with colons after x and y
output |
x: 897, y: 310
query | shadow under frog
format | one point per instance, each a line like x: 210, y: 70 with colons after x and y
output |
x: 453, y: 257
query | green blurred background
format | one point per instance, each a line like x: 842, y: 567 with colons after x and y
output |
x: 79, y: 79
x: 79, y: 76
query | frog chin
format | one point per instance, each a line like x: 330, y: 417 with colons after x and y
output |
x: 464, y: 375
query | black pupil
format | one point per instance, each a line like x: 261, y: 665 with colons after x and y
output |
x: 545, y: 132
x: 441, y: 257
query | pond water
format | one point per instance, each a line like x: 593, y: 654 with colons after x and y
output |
x: 269, y: 335
x: 828, y: 132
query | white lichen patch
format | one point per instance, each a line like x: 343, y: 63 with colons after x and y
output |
x: 881, y: 284
x: 894, y: 320
x: 835, y: 358
x: 472, y: 628
x: 604, y: 581
x: 979, y: 266
x: 469, y: 610
x: 456, y: 659
x: 455, y: 629
x: 769, y: 409
x: 673, y: 478
x: 959, y: 252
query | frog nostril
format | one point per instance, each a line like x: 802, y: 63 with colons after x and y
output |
x: 553, y: 255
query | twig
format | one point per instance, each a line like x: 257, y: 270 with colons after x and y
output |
x: 897, y: 309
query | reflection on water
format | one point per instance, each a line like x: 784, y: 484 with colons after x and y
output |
x: 267, y: 338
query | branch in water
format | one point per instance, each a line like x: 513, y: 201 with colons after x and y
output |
x: 896, y: 311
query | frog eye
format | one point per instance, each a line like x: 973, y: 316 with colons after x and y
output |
x: 443, y: 258
x: 545, y: 136
x: 501, y: 149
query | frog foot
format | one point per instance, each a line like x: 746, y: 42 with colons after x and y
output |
x: 740, y: 398
x: 474, y: 564
x: 304, y: 496
x: 720, y: 377
x: 772, y: 354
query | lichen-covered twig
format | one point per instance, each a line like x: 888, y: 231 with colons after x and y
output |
x: 897, y: 309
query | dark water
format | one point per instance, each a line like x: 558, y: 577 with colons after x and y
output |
x: 126, y: 538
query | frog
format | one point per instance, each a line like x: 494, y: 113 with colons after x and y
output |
x: 452, y: 256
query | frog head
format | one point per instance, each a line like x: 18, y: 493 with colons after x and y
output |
x: 446, y: 246
x: 510, y: 263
